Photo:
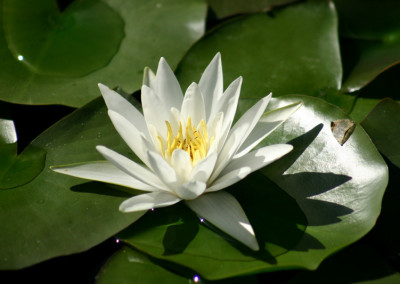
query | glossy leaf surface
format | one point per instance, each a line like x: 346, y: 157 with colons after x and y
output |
x: 55, y: 214
x: 52, y: 57
x: 274, y: 53
x: 337, y: 188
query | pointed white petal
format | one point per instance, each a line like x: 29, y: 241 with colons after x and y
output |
x: 182, y: 164
x: 239, y: 133
x: 267, y: 123
x: 135, y: 140
x: 155, y: 111
x: 239, y: 168
x: 191, y: 190
x: 227, y: 104
x: 211, y: 83
x: 131, y: 168
x: 117, y: 103
x: 149, y: 78
x: 204, y: 168
x: 163, y: 170
x: 193, y: 105
x: 222, y: 210
x: 148, y: 201
x: 105, y: 172
x: 168, y: 89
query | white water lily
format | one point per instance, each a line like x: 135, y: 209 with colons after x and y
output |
x: 188, y: 146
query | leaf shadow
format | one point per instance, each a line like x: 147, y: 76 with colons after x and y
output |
x: 95, y: 187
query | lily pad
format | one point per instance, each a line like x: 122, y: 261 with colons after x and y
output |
x: 130, y: 266
x: 374, y: 28
x: 337, y: 188
x: 374, y: 57
x: 53, y: 57
x: 224, y: 8
x: 16, y: 170
x: 54, y: 214
x: 273, y: 52
x: 382, y: 125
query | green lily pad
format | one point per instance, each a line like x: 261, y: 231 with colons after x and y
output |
x: 337, y: 188
x: 53, y: 57
x: 54, y: 214
x: 360, y: 263
x: 16, y: 170
x: 224, y: 8
x: 382, y: 125
x: 372, y: 19
x: 130, y: 266
x: 374, y: 58
x: 274, y: 53
x: 374, y: 28
x: 385, y: 85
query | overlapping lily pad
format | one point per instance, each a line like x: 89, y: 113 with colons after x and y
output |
x: 274, y: 53
x: 374, y: 28
x: 53, y: 214
x: 338, y: 189
x: 130, y: 266
x: 16, y: 170
x: 53, y: 57
x: 382, y: 125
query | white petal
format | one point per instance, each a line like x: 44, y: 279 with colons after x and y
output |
x: 267, y: 123
x: 204, y: 168
x: 239, y: 168
x: 211, y: 83
x: 168, y: 89
x: 182, y: 164
x: 148, y: 201
x: 227, y: 104
x: 117, y: 103
x: 131, y: 168
x: 222, y: 210
x: 191, y: 190
x: 239, y: 133
x: 149, y: 78
x: 135, y: 140
x: 105, y: 172
x: 155, y: 111
x: 193, y: 105
x: 163, y: 170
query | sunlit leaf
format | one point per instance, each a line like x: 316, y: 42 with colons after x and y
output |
x: 53, y: 57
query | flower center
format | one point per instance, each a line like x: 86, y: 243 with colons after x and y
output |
x: 194, y: 141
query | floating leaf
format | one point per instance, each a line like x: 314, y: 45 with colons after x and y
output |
x: 16, y: 170
x: 224, y: 8
x: 338, y: 188
x: 274, y: 53
x: 53, y: 57
x: 53, y: 214
x: 130, y: 266
x: 382, y: 125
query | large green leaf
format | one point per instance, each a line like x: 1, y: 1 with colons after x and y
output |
x: 130, y: 266
x: 295, y: 50
x: 16, y: 170
x: 360, y: 263
x: 374, y: 26
x: 55, y: 214
x: 382, y: 125
x: 337, y: 188
x: 224, y: 8
x: 52, y: 57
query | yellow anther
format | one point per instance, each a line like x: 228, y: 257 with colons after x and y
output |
x: 194, y: 141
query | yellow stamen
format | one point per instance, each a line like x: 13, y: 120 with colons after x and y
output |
x: 194, y: 141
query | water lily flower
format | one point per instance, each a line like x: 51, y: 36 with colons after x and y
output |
x: 189, y: 148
